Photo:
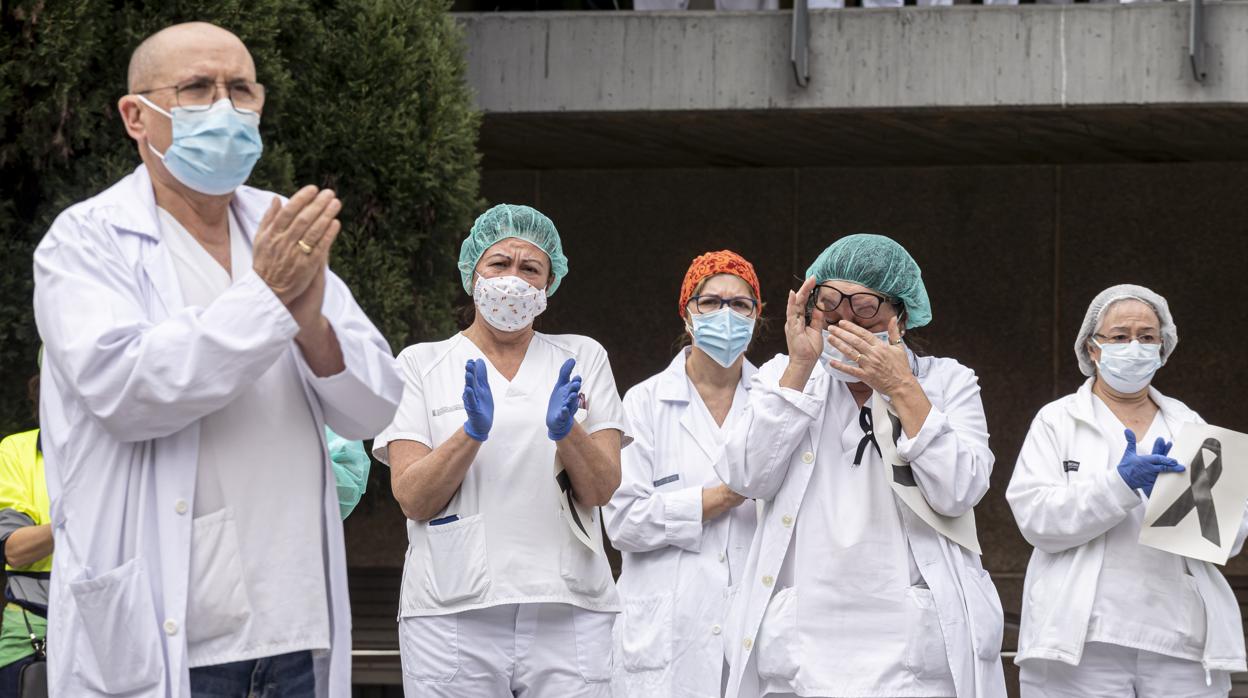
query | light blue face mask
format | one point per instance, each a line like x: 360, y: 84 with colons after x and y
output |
x: 830, y: 352
x: 722, y: 335
x: 213, y: 150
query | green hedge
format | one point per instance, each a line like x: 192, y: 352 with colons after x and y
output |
x: 365, y: 96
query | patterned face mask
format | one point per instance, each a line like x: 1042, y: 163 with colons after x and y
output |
x: 508, y: 303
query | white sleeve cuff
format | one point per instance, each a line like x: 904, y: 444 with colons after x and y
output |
x: 1121, y: 492
x: 381, y: 445
x: 935, y: 425
x: 682, y: 518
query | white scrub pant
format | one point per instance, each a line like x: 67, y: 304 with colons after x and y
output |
x: 1113, y: 671
x: 523, y: 650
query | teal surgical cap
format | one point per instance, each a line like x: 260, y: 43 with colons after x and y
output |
x: 881, y: 265
x: 512, y: 221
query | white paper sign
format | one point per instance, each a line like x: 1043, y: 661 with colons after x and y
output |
x: 581, y: 519
x: 887, y: 428
x: 1196, y: 513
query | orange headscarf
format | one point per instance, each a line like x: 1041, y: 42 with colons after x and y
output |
x: 712, y: 263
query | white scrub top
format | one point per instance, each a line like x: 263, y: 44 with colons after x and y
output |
x: 678, y: 570
x: 1145, y: 597
x: 502, y: 538
x: 257, y: 579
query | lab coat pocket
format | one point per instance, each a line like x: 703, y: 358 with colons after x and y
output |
x: 457, y: 569
x: 429, y: 647
x: 925, y: 642
x: 217, y: 603
x: 117, y: 649
x: 987, y: 619
x: 593, y: 643
x: 777, y: 637
x: 583, y: 570
x: 646, y: 638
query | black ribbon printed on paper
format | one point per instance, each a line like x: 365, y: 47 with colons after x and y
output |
x: 1199, y: 494
x: 868, y: 435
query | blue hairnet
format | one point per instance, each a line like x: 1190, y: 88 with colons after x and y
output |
x: 880, y: 264
x: 512, y: 221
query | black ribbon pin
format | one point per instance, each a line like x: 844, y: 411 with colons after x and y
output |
x: 1199, y: 495
x: 868, y: 435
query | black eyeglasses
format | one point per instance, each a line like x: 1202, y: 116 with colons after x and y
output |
x: 743, y: 305
x: 864, y: 304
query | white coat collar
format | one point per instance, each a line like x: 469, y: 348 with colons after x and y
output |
x: 674, y: 382
x: 1173, y: 412
x: 248, y: 205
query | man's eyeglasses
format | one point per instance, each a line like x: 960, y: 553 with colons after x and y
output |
x: 199, y: 95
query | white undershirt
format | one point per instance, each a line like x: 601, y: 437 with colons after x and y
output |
x: 1145, y: 598
x: 257, y: 577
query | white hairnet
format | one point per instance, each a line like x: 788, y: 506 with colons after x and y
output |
x: 1111, y: 295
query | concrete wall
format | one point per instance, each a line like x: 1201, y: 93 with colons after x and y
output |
x: 1022, y: 56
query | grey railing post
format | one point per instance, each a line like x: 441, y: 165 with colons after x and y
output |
x: 1196, y: 40
x: 800, y: 52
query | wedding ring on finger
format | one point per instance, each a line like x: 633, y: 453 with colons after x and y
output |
x: 304, y: 247
x: 859, y: 359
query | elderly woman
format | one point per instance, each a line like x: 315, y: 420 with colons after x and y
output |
x: 1103, y: 616
x: 847, y: 591
x: 499, y: 456
x: 683, y: 533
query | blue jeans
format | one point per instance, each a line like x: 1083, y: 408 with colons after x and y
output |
x: 283, y: 676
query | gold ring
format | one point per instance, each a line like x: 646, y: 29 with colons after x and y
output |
x: 898, y: 342
x: 859, y: 359
x: 307, y: 249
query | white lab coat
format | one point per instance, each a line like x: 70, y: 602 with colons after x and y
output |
x: 770, y: 455
x: 128, y: 372
x: 1065, y: 513
x: 677, y: 569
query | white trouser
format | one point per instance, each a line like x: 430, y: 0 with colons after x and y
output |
x: 523, y: 650
x: 1113, y: 671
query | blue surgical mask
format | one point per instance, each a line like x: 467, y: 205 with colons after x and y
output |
x: 830, y: 352
x: 1128, y: 368
x: 722, y: 335
x: 213, y: 150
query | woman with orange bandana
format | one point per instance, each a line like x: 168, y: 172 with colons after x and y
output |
x: 683, y: 533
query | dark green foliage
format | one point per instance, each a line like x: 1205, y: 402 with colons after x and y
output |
x: 365, y: 96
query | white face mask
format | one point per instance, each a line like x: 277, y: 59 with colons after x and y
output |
x: 830, y: 352
x: 508, y: 303
x: 1128, y: 368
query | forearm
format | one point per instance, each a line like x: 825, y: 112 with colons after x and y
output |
x: 595, y: 473
x: 320, y: 348
x: 912, y: 407
x: 424, y: 487
x: 28, y: 545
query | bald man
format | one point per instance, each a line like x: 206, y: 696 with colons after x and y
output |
x: 195, y: 346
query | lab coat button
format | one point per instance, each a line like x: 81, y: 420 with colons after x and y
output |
x: 722, y: 557
x: 808, y: 457
x: 768, y: 580
x: 715, y: 630
x: 171, y: 627
x: 786, y: 520
x: 181, y: 506
x: 748, y: 644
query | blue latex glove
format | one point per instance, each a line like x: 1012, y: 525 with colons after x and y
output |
x: 1140, y: 472
x: 564, y: 401
x: 478, y: 400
